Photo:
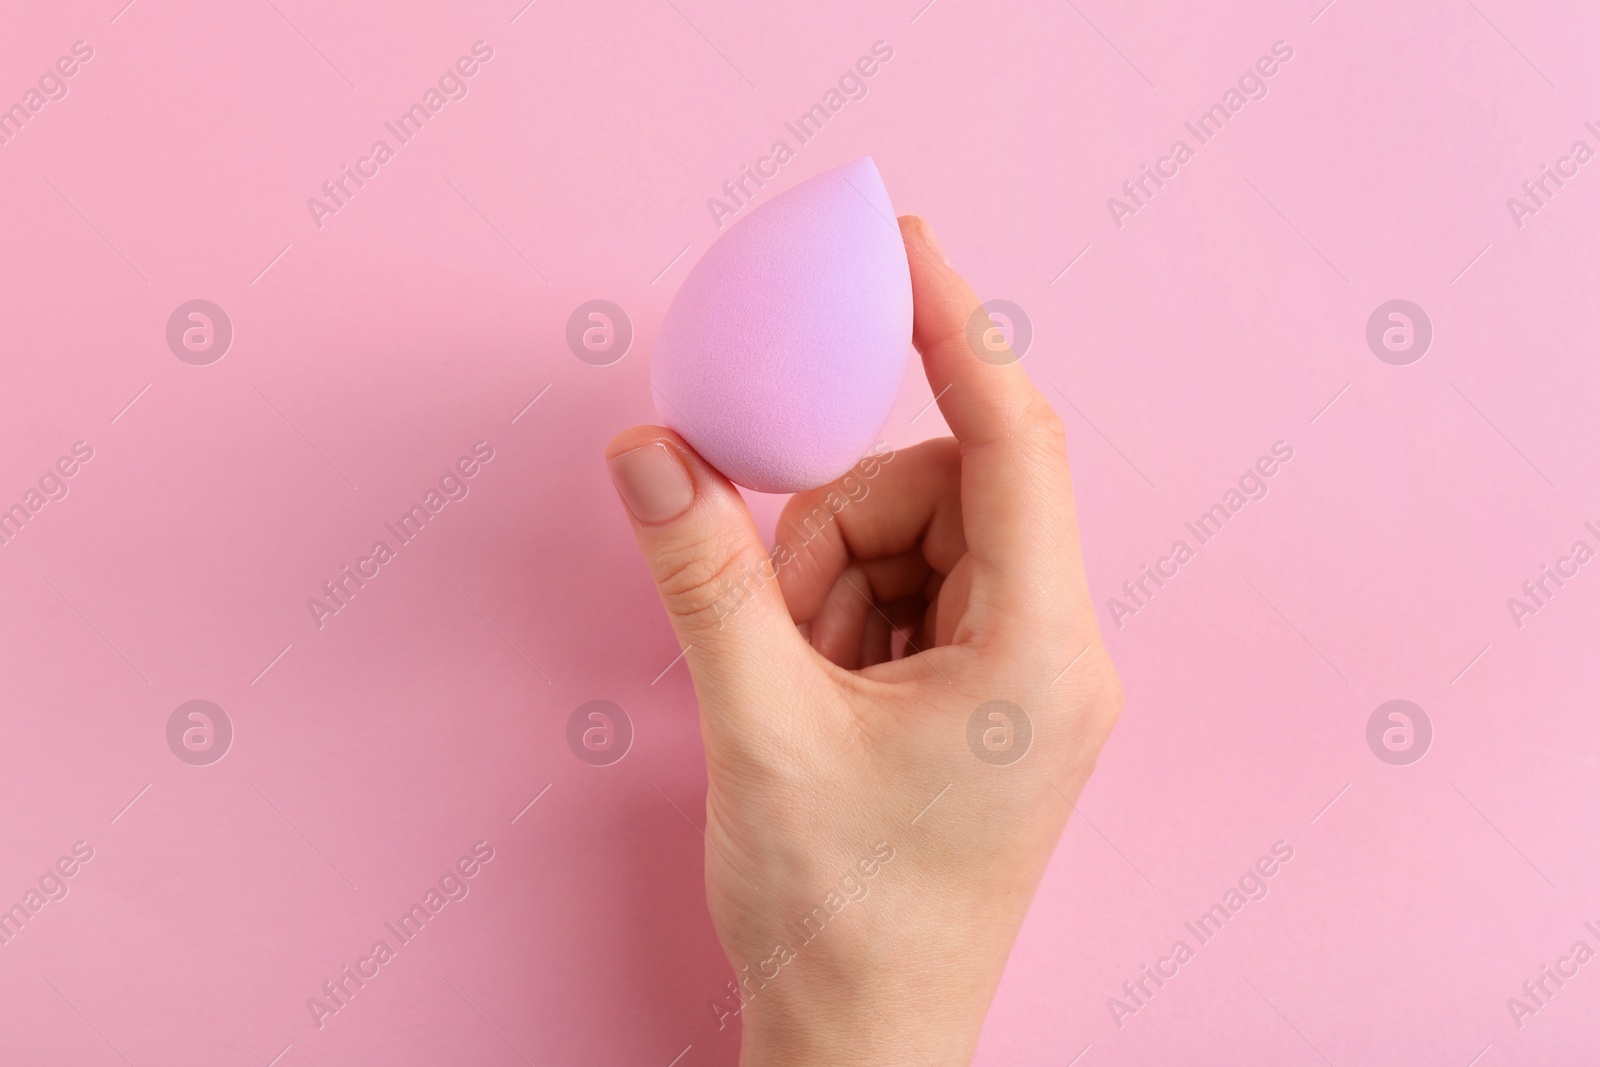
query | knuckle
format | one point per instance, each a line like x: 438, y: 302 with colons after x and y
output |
x: 1041, y: 421
x: 1102, y: 699
x: 1096, y: 694
x: 1109, y: 706
x: 696, y: 579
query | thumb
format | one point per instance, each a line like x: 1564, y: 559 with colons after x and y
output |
x: 716, y: 580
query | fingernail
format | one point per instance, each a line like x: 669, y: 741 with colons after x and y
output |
x: 930, y: 239
x: 653, y: 482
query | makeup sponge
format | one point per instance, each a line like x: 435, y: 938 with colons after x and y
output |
x: 781, y: 356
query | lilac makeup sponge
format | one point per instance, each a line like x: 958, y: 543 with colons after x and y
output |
x: 781, y: 356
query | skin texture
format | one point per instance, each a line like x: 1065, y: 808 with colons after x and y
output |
x: 829, y: 746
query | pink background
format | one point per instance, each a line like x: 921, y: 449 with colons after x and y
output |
x: 424, y: 316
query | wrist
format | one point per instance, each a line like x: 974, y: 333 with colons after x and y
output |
x: 845, y: 1024
x: 830, y: 1040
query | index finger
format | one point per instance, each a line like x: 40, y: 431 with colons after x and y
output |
x: 1016, y: 488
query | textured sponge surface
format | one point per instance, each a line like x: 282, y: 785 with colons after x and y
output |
x: 781, y: 356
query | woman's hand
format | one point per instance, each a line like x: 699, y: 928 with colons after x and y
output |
x: 876, y: 826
